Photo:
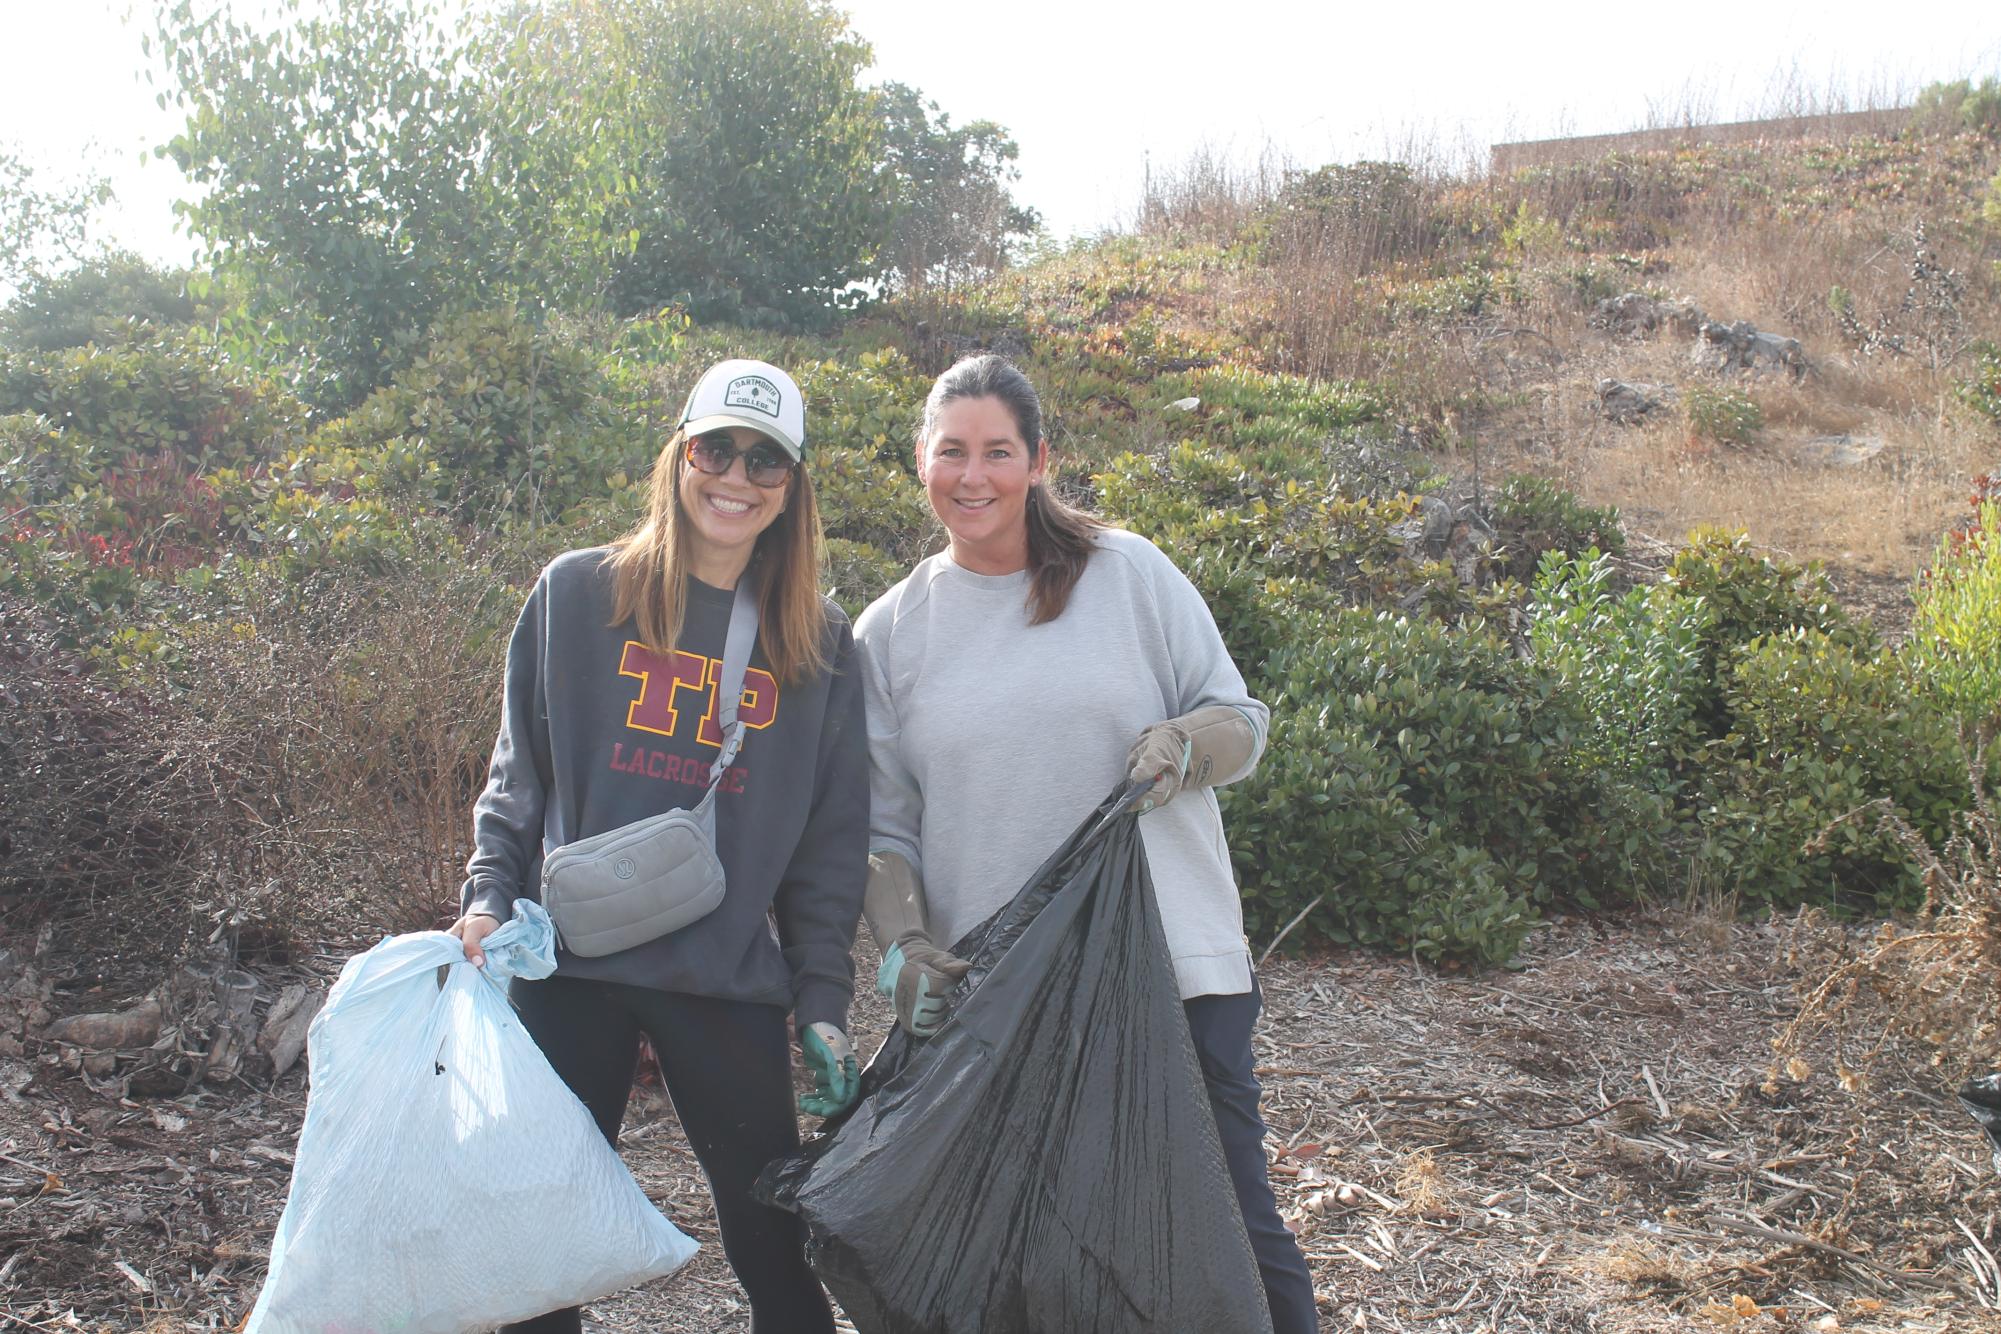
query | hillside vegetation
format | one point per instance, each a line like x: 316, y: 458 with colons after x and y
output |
x: 1530, y: 646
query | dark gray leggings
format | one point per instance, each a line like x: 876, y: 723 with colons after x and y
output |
x: 728, y: 1067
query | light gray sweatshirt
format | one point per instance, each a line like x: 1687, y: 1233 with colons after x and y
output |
x: 990, y: 738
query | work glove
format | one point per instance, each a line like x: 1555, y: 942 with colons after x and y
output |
x: 837, y: 1078
x: 1194, y: 750
x: 916, y: 975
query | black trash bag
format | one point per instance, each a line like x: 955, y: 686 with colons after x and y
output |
x: 1048, y: 1160
x: 1982, y: 1098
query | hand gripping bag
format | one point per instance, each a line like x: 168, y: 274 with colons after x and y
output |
x: 1047, y: 1163
x: 446, y: 1179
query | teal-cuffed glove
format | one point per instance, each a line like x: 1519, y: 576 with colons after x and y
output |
x: 915, y: 977
x: 837, y: 1078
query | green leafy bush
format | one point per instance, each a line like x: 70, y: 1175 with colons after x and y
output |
x: 1533, y: 515
x: 1418, y: 784
x: 494, y: 415
x: 1749, y: 596
x: 1632, y: 658
x: 1820, y: 727
x: 161, y: 393
x: 869, y: 403
x: 1722, y: 416
x: 877, y: 522
x: 95, y: 302
x: 1955, y: 644
x: 107, y: 463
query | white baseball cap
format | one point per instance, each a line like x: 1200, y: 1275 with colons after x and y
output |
x: 755, y: 394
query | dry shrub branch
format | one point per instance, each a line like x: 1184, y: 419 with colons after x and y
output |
x: 301, y: 770
x: 1937, y: 980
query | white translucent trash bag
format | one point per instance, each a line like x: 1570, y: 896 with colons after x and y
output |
x: 446, y: 1179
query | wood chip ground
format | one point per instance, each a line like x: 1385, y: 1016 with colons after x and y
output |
x: 1590, y: 1143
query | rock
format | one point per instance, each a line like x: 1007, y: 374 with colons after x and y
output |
x: 135, y: 1027
x: 1185, y: 404
x: 1449, y: 531
x: 1842, y: 451
x: 1637, y: 315
x: 1741, y: 347
x: 284, y: 1035
x: 100, y: 1063
x: 1627, y: 401
x: 1427, y: 533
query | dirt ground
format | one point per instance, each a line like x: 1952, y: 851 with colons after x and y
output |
x: 1589, y: 1142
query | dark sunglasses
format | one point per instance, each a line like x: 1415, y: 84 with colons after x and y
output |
x: 765, y: 464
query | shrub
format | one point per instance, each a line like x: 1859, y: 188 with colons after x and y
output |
x: 293, y: 761
x: 96, y: 302
x: 877, y: 522
x: 1980, y: 387
x: 1749, y: 596
x: 1819, y: 728
x: 1632, y: 658
x: 1263, y: 548
x: 1961, y: 105
x: 1722, y: 416
x: 107, y: 460
x: 867, y: 403
x: 495, y: 414
x: 1365, y: 212
x: 158, y: 393
x: 1955, y: 644
x: 1418, y: 787
x: 1937, y: 974
x: 1533, y: 515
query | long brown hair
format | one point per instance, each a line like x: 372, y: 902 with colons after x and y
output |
x: 1060, y: 540
x: 650, y: 564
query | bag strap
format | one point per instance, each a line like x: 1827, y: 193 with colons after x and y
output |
x: 729, y: 686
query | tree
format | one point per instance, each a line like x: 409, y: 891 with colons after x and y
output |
x: 952, y: 219
x: 754, y: 190
x: 365, y: 170
x: 39, y: 224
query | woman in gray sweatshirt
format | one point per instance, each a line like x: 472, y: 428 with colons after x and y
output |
x: 609, y: 717
x: 1012, y: 680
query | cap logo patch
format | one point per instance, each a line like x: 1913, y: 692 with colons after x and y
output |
x: 753, y: 392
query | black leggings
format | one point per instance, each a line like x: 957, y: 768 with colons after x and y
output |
x: 728, y: 1067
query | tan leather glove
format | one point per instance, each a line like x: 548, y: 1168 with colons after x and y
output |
x: 1193, y: 750
x: 916, y: 974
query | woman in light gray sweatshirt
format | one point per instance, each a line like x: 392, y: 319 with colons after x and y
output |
x: 1013, y: 679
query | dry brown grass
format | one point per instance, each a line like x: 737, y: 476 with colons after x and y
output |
x: 1765, y: 234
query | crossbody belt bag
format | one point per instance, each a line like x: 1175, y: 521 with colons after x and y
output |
x: 636, y: 883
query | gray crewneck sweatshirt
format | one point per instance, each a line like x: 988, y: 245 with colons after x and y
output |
x: 598, y: 731
x: 990, y: 738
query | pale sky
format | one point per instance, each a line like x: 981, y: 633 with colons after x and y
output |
x: 1091, y: 91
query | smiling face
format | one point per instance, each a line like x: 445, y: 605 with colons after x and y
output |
x: 726, y: 514
x: 977, y: 471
